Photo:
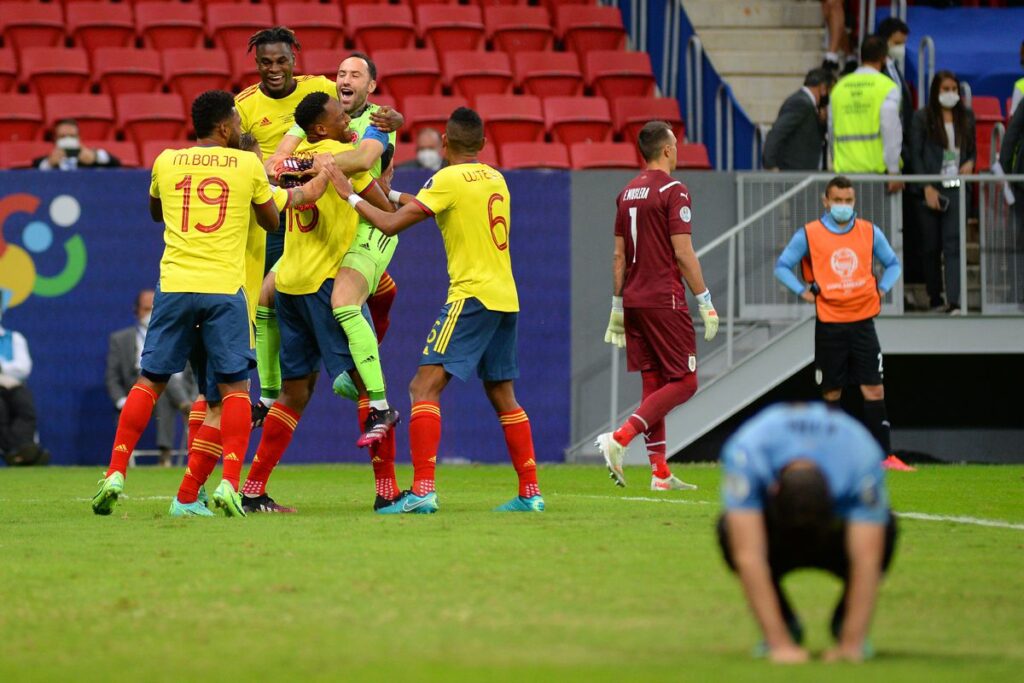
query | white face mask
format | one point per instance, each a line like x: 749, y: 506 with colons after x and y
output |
x: 949, y: 99
x: 898, y: 52
x: 429, y: 158
x: 144, y: 321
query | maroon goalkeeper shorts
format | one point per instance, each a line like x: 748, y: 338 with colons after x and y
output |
x: 660, y: 339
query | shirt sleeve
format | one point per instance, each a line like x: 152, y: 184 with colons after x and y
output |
x: 280, y: 197
x: 888, y: 258
x: 361, y: 181
x: 20, y: 365
x: 679, y: 211
x: 742, y: 488
x: 154, y: 185
x: 892, y: 130
x: 794, y: 252
x: 296, y: 131
x: 620, y: 220
x: 261, y: 193
x: 437, y: 195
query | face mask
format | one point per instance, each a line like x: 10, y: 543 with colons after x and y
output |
x: 70, y: 144
x: 823, y: 102
x: 429, y: 158
x: 144, y: 320
x: 898, y: 52
x: 841, y: 213
x: 949, y: 99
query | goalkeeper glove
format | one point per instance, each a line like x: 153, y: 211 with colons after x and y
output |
x: 708, y: 314
x: 616, y: 332
x: 292, y: 171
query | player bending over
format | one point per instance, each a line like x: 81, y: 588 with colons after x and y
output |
x: 477, y: 326
x: 653, y: 247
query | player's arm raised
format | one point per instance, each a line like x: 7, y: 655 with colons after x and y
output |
x: 358, y: 160
x: 689, y: 266
x: 289, y: 143
x: 388, y: 223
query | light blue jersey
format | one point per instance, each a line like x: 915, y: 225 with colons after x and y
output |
x: 845, y: 452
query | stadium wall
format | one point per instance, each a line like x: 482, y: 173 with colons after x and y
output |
x: 83, y: 245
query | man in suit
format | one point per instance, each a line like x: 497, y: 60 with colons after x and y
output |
x: 796, y: 140
x: 123, y: 356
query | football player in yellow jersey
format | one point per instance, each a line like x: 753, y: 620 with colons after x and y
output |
x: 203, y: 195
x: 476, y: 329
x: 315, y: 239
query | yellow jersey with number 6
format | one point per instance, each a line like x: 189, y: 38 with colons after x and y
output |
x: 471, y: 205
x: 206, y: 194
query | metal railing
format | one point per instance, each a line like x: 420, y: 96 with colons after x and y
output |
x: 925, y: 73
x: 693, y: 70
x: 724, y: 121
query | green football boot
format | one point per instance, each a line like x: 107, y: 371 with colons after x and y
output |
x: 195, y: 509
x: 110, y: 488
x: 227, y: 499
x: 203, y: 498
x: 521, y: 504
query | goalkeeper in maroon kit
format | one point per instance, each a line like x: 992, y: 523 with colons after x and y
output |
x: 649, y: 316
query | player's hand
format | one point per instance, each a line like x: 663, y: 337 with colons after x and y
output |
x: 710, y: 317
x: 322, y: 160
x: 807, y: 295
x: 342, y: 185
x: 616, y: 332
x: 387, y: 119
x: 273, y: 166
x: 293, y: 171
x: 788, y: 654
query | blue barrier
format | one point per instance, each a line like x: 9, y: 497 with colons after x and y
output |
x: 47, y: 218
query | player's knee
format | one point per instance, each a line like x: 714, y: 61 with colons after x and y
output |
x: 425, y: 387
x: 295, y: 394
x: 267, y: 291
x: 832, y: 395
x: 502, y: 396
x: 872, y: 392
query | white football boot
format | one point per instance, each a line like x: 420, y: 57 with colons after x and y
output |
x: 614, y: 453
x: 670, y: 483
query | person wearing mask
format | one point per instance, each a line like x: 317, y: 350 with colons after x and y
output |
x: 428, y: 151
x: 864, y: 117
x: 942, y: 142
x: 895, y: 32
x: 69, y: 154
x: 123, y: 357
x: 796, y: 140
x: 17, y: 408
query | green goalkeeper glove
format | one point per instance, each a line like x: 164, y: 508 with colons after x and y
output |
x: 616, y: 332
x: 708, y: 314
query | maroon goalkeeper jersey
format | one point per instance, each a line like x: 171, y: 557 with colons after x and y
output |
x: 651, y: 209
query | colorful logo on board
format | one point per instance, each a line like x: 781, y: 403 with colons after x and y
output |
x: 18, y: 272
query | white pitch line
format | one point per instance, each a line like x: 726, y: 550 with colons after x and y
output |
x: 639, y: 499
x: 976, y: 521
x: 127, y: 497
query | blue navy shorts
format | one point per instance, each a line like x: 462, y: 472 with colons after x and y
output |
x: 468, y: 336
x: 275, y: 245
x: 309, y: 334
x: 184, y: 320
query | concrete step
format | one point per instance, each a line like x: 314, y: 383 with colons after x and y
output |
x: 762, y: 111
x: 771, y: 88
x: 764, y: 42
x: 973, y: 254
x: 735, y: 62
x: 761, y: 13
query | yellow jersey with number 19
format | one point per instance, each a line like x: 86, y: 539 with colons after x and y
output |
x: 316, y: 239
x: 256, y: 252
x: 268, y: 118
x: 207, y: 194
x: 471, y: 205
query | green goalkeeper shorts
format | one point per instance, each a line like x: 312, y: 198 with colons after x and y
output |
x: 370, y: 254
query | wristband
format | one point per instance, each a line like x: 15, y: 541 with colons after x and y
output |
x: 704, y: 298
x: 354, y: 199
x: 617, y: 303
x: 395, y: 196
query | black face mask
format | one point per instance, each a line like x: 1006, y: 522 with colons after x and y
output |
x: 823, y: 102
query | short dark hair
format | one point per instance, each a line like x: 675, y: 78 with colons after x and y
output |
x: 248, y: 142
x: 653, y: 136
x: 310, y: 109
x: 891, y: 25
x: 274, y: 34
x: 802, y: 502
x: 371, y: 67
x: 819, y: 76
x: 840, y: 182
x: 465, y: 130
x: 875, y: 48
x: 210, y: 109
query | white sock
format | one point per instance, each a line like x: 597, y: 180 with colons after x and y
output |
x: 832, y: 57
x: 267, y: 401
x: 381, y: 404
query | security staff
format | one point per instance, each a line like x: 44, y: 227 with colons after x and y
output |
x: 864, y: 117
x: 836, y: 253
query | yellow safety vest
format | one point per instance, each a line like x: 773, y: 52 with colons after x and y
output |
x: 857, y: 123
x: 1018, y: 86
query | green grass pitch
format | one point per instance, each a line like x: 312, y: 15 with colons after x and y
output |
x: 607, y: 585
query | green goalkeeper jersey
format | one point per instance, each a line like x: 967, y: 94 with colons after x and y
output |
x: 359, y: 125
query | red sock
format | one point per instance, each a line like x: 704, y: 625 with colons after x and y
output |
x: 203, y: 454
x: 134, y: 417
x: 235, y: 425
x: 654, y: 438
x: 277, y: 434
x: 380, y: 305
x: 195, y: 421
x: 655, y: 407
x: 424, y: 438
x: 363, y: 411
x: 382, y: 457
x: 519, y: 440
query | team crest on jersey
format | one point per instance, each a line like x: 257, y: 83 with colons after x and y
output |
x: 429, y: 184
x: 691, y: 362
x: 844, y: 262
x: 684, y: 214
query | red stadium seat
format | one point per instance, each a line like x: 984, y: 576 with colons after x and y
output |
x: 150, y: 116
x: 427, y: 111
x: 553, y: 5
x: 124, y: 151
x: 190, y: 71
x: 692, y: 155
x: 47, y: 70
x: 408, y: 72
x: 243, y: 67
x: 373, y: 29
x: 518, y: 29
x: 383, y: 100
x: 318, y: 62
x: 987, y: 113
x: 630, y: 115
x: 93, y: 113
x: 590, y: 28
x: 489, y: 155
x: 22, y: 154
x: 478, y: 73
x: 32, y: 25
x: 8, y: 69
x: 616, y: 73
x: 549, y: 74
x: 98, y: 24
x: 511, y: 118
x: 163, y: 25
x: 120, y: 70
x: 404, y: 153
x: 535, y: 155
x: 150, y: 149
x: 603, y: 155
x: 230, y: 26
x: 20, y: 117
x: 986, y: 109
x: 578, y: 119
x: 451, y: 27
x: 317, y: 26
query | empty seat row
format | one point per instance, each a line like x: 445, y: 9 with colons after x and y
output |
x: 168, y: 24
